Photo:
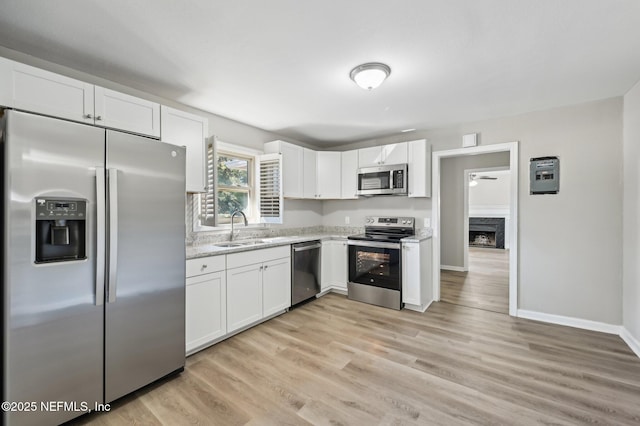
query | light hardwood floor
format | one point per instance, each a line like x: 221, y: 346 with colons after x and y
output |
x: 339, y: 362
x: 485, y: 286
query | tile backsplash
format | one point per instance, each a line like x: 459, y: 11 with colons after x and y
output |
x: 195, y: 238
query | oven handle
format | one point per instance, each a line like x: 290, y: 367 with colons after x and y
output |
x: 373, y: 244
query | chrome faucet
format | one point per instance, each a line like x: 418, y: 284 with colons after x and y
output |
x: 246, y: 223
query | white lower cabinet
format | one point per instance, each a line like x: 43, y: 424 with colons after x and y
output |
x: 259, y: 289
x: 334, y: 265
x: 244, y: 296
x: 225, y: 294
x: 416, y: 275
x: 206, y: 302
x: 276, y: 286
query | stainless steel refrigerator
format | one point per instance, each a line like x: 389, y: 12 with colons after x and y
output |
x: 93, y: 262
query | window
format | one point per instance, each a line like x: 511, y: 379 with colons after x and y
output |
x: 235, y: 186
x: 239, y: 179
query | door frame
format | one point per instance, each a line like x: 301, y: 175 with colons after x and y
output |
x: 437, y: 156
x: 465, y: 223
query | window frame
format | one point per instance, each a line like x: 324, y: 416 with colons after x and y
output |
x: 238, y: 151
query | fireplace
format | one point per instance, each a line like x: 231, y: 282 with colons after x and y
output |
x: 486, y: 232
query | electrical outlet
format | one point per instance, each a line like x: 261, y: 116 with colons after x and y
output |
x: 427, y: 222
x: 347, y: 220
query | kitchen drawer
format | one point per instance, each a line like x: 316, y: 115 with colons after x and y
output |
x: 251, y: 257
x: 205, y: 265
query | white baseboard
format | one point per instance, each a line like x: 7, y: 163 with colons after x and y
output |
x: 602, y: 327
x: 454, y: 268
x: 633, y: 343
x: 570, y: 321
x: 332, y: 289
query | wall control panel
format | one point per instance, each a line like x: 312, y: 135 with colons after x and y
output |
x: 544, y: 175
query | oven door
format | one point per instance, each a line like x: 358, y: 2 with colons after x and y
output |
x: 375, y: 263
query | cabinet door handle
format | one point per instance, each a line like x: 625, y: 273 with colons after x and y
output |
x: 265, y: 266
x: 98, y: 117
x: 88, y: 116
x: 204, y: 266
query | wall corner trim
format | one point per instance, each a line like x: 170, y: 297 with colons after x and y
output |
x: 633, y: 343
x: 417, y: 308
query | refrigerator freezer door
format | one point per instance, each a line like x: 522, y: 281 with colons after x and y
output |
x: 145, y: 311
x: 53, y: 330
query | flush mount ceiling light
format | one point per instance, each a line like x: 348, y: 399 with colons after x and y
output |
x: 370, y: 75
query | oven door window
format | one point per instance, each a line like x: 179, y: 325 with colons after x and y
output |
x: 379, y: 267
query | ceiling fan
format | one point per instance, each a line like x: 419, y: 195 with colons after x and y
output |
x: 473, y: 178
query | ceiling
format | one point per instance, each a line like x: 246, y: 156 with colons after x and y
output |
x: 283, y: 65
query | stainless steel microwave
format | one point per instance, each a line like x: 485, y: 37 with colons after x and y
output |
x: 383, y: 180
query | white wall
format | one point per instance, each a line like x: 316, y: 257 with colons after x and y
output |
x: 570, y: 253
x: 631, y: 213
x: 490, y: 194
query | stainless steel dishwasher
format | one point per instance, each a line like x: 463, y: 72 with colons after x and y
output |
x: 305, y: 271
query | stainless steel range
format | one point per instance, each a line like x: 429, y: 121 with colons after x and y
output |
x: 375, y: 261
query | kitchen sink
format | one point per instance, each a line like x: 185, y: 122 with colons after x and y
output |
x: 238, y: 243
x: 244, y: 243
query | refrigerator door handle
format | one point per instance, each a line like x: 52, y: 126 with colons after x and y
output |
x: 101, y: 238
x: 113, y: 235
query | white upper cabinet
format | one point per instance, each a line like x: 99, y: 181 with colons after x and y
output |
x: 185, y: 129
x: 5, y: 85
x: 309, y: 173
x: 387, y: 154
x: 328, y: 175
x: 321, y: 174
x: 419, y: 168
x: 292, y: 160
x: 120, y: 111
x: 395, y: 153
x: 369, y: 157
x: 349, y: 175
x: 44, y: 92
x: 32, y: 89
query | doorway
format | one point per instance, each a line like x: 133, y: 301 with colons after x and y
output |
x: 512, y: 227
x: 483, y: 280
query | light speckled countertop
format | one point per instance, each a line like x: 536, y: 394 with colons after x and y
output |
x: 213, y: 249
x: 421, y: 235
x: 194, y: 252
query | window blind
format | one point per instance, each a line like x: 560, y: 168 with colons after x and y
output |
x: 270, y: 190
x: 208, y: 199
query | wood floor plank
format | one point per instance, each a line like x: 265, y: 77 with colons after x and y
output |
x: 336, y: 361
x: 484, y: 286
